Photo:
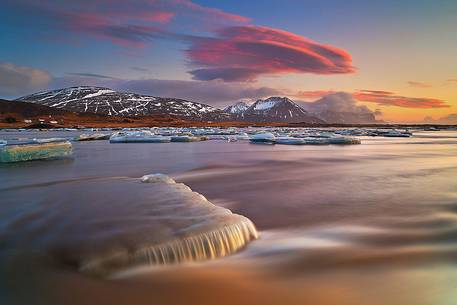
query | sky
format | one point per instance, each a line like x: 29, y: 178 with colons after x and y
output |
x: 395, y: 58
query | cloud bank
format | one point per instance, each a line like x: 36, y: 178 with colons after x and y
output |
x: 450, y: 119
x: 17, y: 80
x: 336, y: 102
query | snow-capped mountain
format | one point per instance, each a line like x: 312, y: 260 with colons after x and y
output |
x: 273, y: 109
x: 109, y: 102
x: 237, y: 108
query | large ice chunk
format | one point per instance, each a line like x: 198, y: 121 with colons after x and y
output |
x: 92, y: 137
x: 263, y: 138
x: 102, y: 226
x: 154, y: 178
x: 34, y: 150
x: 186, y: 138
x: 344, y: 140
x: 138, y: 137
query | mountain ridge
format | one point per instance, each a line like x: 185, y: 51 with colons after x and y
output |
x: 111, y: 103
x: 105, y: 101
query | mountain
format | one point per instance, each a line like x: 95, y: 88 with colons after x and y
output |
x: 237, y: 108
x: 273, y: 109
x: 334, y: 109
x: 98, y: 100
x: 15, y: 114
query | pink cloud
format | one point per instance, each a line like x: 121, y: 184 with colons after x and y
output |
x: 387, y: 98
x: 212, y: 12
x: 380, y: 97
x: 243, y: 53
x: 162, y: 17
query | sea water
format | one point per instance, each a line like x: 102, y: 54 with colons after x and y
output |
x: 374, y: 223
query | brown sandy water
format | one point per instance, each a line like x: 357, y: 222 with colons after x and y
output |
x: 366, y: 224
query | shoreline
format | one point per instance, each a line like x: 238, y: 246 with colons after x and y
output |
x: 116, y: 122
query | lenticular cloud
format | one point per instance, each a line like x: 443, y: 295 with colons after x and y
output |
x: 243, y: 53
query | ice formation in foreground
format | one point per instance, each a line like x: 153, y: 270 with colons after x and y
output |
x: 34, y: 150
x: 103, y: 226
x: 183, y: 227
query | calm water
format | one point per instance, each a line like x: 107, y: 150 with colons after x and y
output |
x: 364, y: 224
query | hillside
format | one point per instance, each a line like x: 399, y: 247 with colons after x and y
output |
x: 104, y: 101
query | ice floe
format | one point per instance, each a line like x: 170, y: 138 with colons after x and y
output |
x: 138, y: 137
x: 263, y: 138
x: 19, y: 151
x: 92, y: 137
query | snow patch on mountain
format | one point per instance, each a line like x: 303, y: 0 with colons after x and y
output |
x: 267, y: 104
x: 100, y: 92
x: 237, y: 108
